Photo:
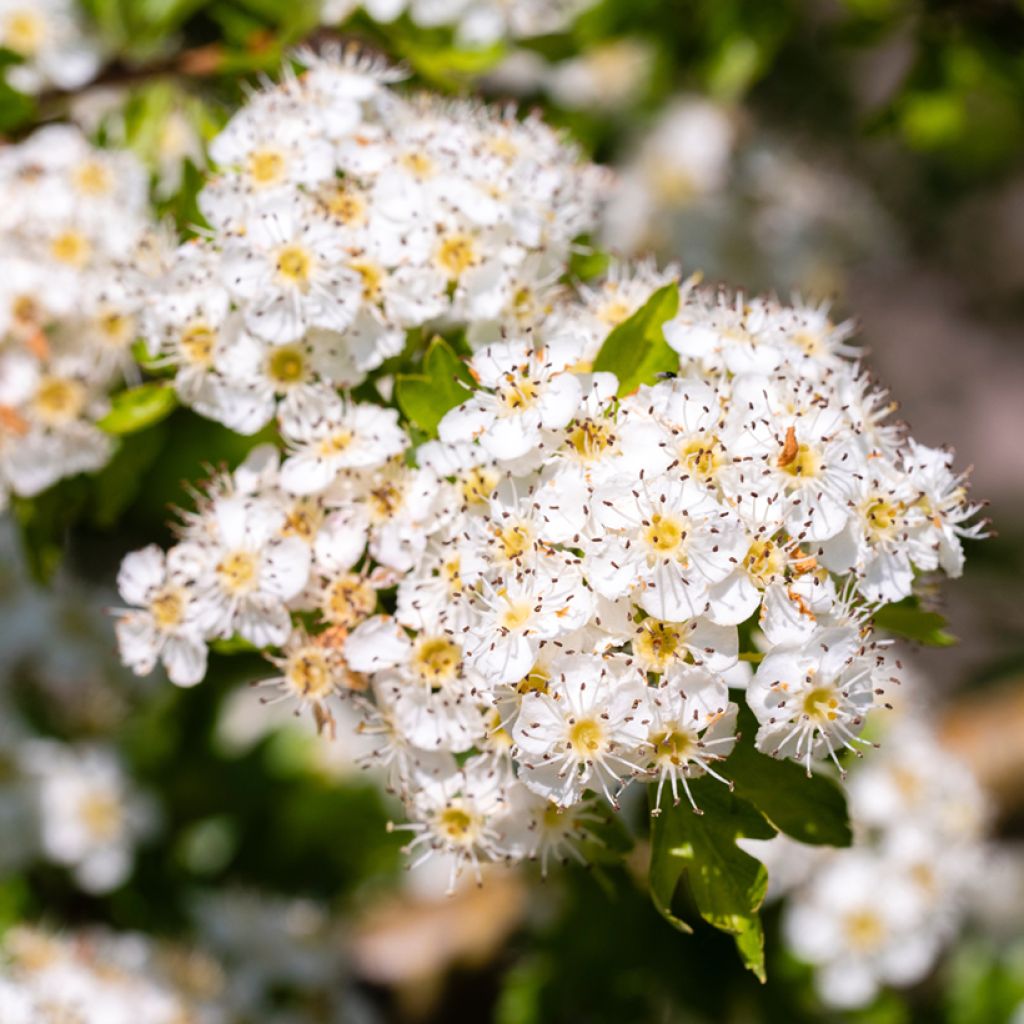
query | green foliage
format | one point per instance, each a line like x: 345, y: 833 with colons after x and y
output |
x: 445, y: 382
x: 811, y: 809
x: 636, y: 351
x: 727, y: 885
x: 138, y: 408
x: 908, y: 619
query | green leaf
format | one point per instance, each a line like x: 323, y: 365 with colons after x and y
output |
x: 445, y: 382
x: 636, y: 351
x: 908, y: 619
x: 118, y: 484
x: 44, y: 522
x: 728, y: 886
x: 810, y: 809
x: 138, y: 408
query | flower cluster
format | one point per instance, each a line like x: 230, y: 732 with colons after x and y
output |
x: 52, y: 42
x: 345, y: 215
x: 101, y: 977
x: 880, y: 912
x: 75, y: 233
x: 544, y: 603
x: 476, y: 22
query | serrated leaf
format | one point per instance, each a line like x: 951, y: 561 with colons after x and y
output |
x: 810, y: 810
x: 728, y: 886
x: 636, y: 351
x: 908, y: 619
x: 445, y: 382
x: 138, y: 408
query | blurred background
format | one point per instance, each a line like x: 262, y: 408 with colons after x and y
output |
x: 864, y: 153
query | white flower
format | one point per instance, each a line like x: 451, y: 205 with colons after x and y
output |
x: 585, y: 730
x: 164, y: 625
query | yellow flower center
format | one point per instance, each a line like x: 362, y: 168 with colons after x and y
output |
x: 116, y: 329
x: 665, y: 535
x: 93, y: 178
x: 238, y: 572
x: 287, y: 364
x: 418, y: 164
x: 764, y: 561
x: 345, y: 205
x: 71, y: 247
x: 385, y: 500
x: 101, y: 815
x: 882, y: 517
x: 303, y: 519
x: 348, y: 600
x: 513, y: 541
x: 196, y: 343
x: 701, y: 455
x: 519, y: 395
x: 266, y: 167
x: 308, y: 673
x: 456, y: 254
x: 477, y: 485
x: 675, y: 747
x: 614, y: 311
x: 586, y: 737
x: 864, y: 930
x: 436, y: 659
x: 515, y: 615
x: 294, y: 265
x: 589, y: 439
x: 658, y: 644
x: 168, y: 607
x: 458, y: 825
x: 24, y: 31
x: 535, y: 681
x: 373, y: 278
x: 58, y: 400
x: 806, y: 463
x: 337, y: 443
x: 821, y: 704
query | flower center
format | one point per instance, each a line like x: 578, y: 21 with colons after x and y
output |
x: 168, y: 607
x: 515, y: 615
x: 238, y: 572
x: 58, y: 400
x: 586, y: 737
x: 658, y: 644
x: 287, y: 365
x: 519, y: 395
x: 589, y: 439
x: 303, y: 520
x: 803, y: 463
x: 458, y: 825
x: 373, y: 278
x: 345, y: 205
x: 266, y: 167
x: 337, y: 443
x: 614, y: 311
x: 701, y: 455
x: 535, y: 681
x: 436, y: 660
x: 101, y: 815
x: 294, y: 265
x: 821, y: 704
x: 308, y: 673
x: 385, y: 500
x: 665, y: 535
x: 70, y: 247
x: 882, y: 518
x: 93, y: 178
x: 764, y: 561
x: 418, y: 164
x: 674, y: 747
x: 864, y: 930
x: 513, y: 541
x: 456, y: 254
x: 24, y: 31
x: 116, y: 329
x: 196, y: 343
x: 477, y: 485
x: 349, y: 599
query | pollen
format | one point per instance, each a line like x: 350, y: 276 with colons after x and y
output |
x: 477, y: 485
x: 287, y: 364
x: 764, y: 561
x: 71, y: 247
x: 803, y: 462
x: 59, y: 400
x: 458, y: 825
x: 658, y: 644
x: 308, y: 673
x: 456, y: 254
x: 266, y: 167
x: 519, y: 395
x: 590, y: 439
x: 348, y: 600
x: 303, y: 519
x: 701, y: 455
x: 586, y: 738
x: 821, y: 704
x: 436, y: 659
x: 197, y: 342
x: 295, y: 265
x: 373, y: 278
x: 665, y: 535
x: 168, y: 607
x: 238, y: 572
x: 675, y: 747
